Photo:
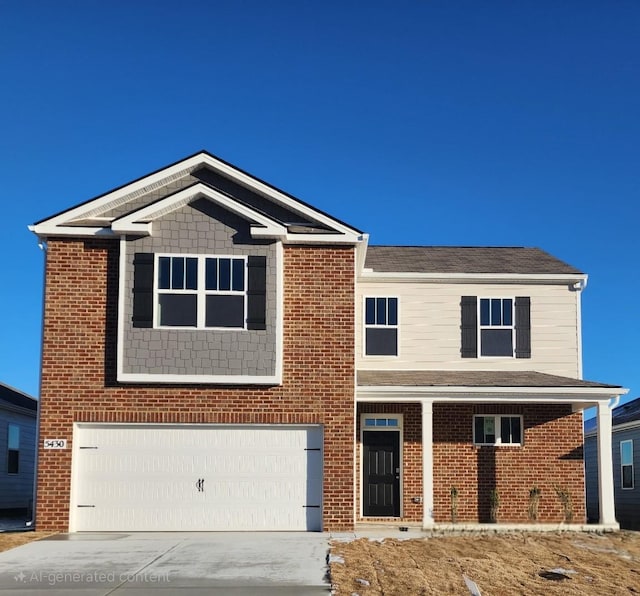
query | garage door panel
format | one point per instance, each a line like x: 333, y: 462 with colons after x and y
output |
x: 138, y: 478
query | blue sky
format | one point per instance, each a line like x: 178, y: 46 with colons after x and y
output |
x: 419, y: 121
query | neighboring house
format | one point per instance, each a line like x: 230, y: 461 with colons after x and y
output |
x: 18, y: 420
x: 625, y: 443
x: 219, y: 355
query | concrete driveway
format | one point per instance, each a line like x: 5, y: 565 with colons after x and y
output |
x: 235, y: 563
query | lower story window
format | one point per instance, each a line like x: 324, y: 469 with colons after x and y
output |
x: 626, y: 463
x: 497, y: 430
x: 13, y: 449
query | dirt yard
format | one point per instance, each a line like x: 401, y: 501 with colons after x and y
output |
x: 12, y: 539
x: 535, y: 563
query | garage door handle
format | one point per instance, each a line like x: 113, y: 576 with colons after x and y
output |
x: 200, y: 485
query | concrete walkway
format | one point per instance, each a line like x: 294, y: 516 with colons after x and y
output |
x: 234, y: 563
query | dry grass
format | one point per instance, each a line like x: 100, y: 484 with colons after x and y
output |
x: 500, y: 564
x: 9, y: 540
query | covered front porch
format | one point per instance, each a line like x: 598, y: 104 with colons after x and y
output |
x: 441, y: 450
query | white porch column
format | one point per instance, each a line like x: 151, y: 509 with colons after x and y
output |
x: 427, y: 463
x: 605, y: 465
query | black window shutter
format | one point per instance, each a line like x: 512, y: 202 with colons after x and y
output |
x: 523, y: 327
x: 143, y: 289
x: 257, y: 292
x: 469, y: 327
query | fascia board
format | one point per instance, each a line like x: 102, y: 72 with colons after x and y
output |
x: 321, y: 239
x: 453, y: 393
x: 533, y: 278
x: 270, y: 192
x: 130, y: 222
x: 102, y: 201
x: 45, y: 229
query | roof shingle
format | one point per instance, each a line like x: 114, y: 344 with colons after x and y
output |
x: 464, y: 259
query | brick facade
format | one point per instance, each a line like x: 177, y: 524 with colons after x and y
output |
x: 551, y: 458
x: 79, y: 368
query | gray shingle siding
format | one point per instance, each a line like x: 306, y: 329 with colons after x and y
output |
x: 201, y: 228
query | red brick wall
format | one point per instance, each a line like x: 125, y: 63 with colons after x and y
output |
x: 78, y: 368
x: 550, y: 457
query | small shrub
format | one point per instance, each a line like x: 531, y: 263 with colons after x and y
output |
x: 494, y: 501
x: 534, y: 500
x: 565, y: 502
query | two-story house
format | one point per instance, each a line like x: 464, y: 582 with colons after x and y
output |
x: 219, y: 355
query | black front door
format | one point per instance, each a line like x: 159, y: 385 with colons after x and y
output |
x: 381, y: 474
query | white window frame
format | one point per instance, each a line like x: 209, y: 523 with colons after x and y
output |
x: 498, y: 426
x: 201, y: 292
x: 366, y: 326
x: 485, y: 327
x: 623, y: 465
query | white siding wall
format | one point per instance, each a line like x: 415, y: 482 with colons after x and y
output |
x: 429, y: 327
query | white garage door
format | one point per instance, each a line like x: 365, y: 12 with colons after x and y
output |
x: 187, y: 477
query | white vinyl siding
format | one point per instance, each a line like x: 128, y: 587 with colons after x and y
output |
x: 430, y: 323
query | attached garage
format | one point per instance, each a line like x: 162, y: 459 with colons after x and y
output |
x: 164, y: 477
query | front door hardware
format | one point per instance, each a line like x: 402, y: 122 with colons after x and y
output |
x: 200, y: 485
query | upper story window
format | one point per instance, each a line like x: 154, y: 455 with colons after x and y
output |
x: 626, y: 463
x: 381, y: 326
x: 201, y: 291
x: 497, y: 430
x: 496, y: 327
x: 13, y: 449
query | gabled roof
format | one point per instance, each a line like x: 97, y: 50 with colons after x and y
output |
x: 131, y: 208
x: 13, y: 397
x: 465, y: 259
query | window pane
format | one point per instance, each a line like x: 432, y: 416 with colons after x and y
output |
x: 392, y: 422
x: 192, y: 274
x: 479, y: 429
x: 393, y: 311
x: 381, y: 311
x: 484, y: 311
x: 381, y: 342
x: 13, y: 461
x: 177, y: 273
x: 238, y: 275
x: 370, y: 422
x: 224, y: 279
x: 496, y: 311
x: 626, y: 453
x: 13, y: 441
x: 627, y: 476
x: 211, y: 274
x: 516, y: 430
x: 510, y: 429
x: 370, y: 311
x: 178, y: 310
x: 507, y: 310
x: 496, y: 342
x: 164, y: 273
x: 505, y: 429
x: 225, y: 311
